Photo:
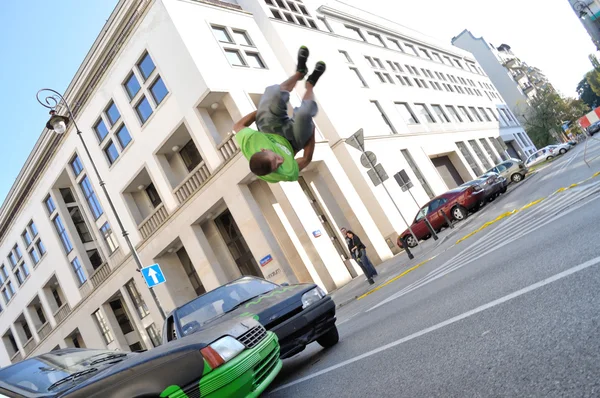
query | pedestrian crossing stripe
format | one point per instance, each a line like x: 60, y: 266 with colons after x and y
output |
x: 535, y: 202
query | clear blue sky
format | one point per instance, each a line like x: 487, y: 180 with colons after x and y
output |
x: 43, y: 43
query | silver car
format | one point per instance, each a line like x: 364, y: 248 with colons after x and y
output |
x: 513, y: 170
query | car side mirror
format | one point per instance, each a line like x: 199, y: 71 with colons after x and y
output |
x: 285, y: 284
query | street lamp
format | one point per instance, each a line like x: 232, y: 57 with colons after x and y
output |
x: 58, y: 124
x: 582, y: 8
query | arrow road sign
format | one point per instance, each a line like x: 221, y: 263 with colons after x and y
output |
x: 153, y: 275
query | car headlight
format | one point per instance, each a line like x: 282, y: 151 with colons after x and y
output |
x: 312, y: 296
x: 222, y: 351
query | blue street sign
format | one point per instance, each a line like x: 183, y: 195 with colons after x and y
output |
x: 153, y: 275
x: 266, y: 260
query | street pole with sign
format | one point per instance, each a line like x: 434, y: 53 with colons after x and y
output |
x: 376, y: 172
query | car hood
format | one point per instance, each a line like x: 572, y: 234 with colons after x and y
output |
x: 269, y: 307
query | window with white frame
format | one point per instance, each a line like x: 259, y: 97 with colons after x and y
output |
x: 407, y: 114
x: 480, y: 155
x: 19, y: 267
x: 439, y: 111
x: 395, y: 44
x: 355, y: 33
x: 90, y: 197
x: 469, y: 158
x: 376, y: 39
x: 109, y: 238
x: 78, y: 270
x: 424, y: 112
x: 103, y: 326
x: 33, y: 243
x: 409, y: 159
x: 412, y: 49
x: 62, y: 234
x: 292, y: 11
x: 136, y: 298
x: 239, y: 48
x: 145, y: 88
x: 346, y: 56
x: 113, y: 136
x: 359, y: 77
x: 453, y: 114
x: 474, y: 112
x: 425, y: 53
x: 7, y: 288
x: 154, y: 335
x: 465, y: 114
x: 379, y: 109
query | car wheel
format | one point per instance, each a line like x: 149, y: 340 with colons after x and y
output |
x: 549, y: 157
x: 330, y: 338
x: 516, y: 177
x: 410, y: 240
x: 563, y: 151
x: 459, y: 213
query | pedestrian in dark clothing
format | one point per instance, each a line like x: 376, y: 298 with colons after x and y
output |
x: 359, y: 253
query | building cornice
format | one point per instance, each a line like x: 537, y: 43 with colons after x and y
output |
x: 121, y: 24
x: 339, y: 14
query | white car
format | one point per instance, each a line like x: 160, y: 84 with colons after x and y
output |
x: 560, y: 149
x: 542, y: 155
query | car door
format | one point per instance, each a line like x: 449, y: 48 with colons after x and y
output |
x: 419, y: 227
x: 503, y: 169
x: 433, y: 214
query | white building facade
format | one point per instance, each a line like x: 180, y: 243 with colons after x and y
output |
x: 516, y: 82
x: 156, y: 99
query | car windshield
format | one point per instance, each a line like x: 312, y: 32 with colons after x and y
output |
x: 215, y: 303
x: 38, y: 374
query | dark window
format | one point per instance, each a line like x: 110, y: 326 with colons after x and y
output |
x: 190, y: 155
x: 132, y: 86
x: 143, y: 109
x: 26, y: 329
x: 136, y: 298
x: 95, y: 258
x: 112, y: 113
x: 121, y: 315
x: 67, y: 195
x: 40, y: 313
x: 123, y: 136
x: 137, y: 346
x: 75, y: 341
x: 146, y: 66
x: 57, y: 297
x: 76, y: 165
x: 153, y: 334
x: 153, y: 195
x: 80, y: 225
x: 191, y: 272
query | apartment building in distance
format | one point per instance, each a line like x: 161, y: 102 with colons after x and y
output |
x: 156, y: 98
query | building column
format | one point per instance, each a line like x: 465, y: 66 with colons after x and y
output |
x: 18, y: 339
x: 258, y: 235
x: 326, y: 260
x: 210, y: 271
x: 354, y: 209
x: 119, y: 340
x: 47, y: 308
x: 32, y: 325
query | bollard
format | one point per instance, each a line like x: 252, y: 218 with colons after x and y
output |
x: 447, y: 219
x: 407, y: 249
x: 435, y: 237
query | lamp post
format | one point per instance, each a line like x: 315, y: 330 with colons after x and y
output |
x: 58, y: 124
x: 582, y: 8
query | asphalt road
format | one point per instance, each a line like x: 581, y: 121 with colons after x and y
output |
x: 511, y: 311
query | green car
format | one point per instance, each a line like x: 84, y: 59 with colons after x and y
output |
x: 238, y: 358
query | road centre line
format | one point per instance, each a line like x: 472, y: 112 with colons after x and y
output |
x: 448, y: 322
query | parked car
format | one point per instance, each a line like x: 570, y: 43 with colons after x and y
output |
x: 491, y: 183
x: 594, y: 128
x: 235, y: 358
x: 560, y: 149
x: 298, y: 314
x: 513, y: 170
x: 572, y: 143
x: 456, y: 204
x: 540, y: 156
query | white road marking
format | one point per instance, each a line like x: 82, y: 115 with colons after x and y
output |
x: 454, y: 264
x: 447, y: 322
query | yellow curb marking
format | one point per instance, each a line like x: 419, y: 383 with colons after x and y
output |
x: 535, y: 202
x: 596, y: 174
x: 396, y: 278
x: 573, y: 185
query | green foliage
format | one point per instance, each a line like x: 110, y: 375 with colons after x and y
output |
x: 549, y: 112
x: 586, y: 94
x: 593, y: 79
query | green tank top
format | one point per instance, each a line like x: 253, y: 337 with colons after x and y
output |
x: 252, y: 141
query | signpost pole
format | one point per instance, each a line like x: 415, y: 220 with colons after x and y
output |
x: 362, y: 149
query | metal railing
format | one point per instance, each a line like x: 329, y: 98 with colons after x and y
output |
x: 62, y: 313
x: 44, y: 330
x: 100, y: 275
x: 228, y: 148
x: 192, y: 183
x: 85, y: 289
x: 153, y: 221
x: 29, y: 346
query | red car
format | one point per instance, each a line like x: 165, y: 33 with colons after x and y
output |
x: 456, y: 203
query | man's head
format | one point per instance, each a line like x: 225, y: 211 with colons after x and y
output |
x: 265, y: 162
x: 344, y: 231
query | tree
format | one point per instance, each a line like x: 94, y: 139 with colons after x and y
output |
x: 586, y: 94
x: 593, y: 79
x: 548, y: 113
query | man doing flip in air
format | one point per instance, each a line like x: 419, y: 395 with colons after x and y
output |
x: 272, y: 149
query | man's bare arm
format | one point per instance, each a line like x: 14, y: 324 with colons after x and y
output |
x: 309, y: 149
x: 246, y: 121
